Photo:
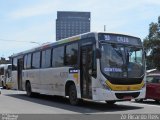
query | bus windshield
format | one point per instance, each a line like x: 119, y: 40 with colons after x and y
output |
x: 121, y: 61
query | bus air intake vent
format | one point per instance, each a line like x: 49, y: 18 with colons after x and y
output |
x: 124, y: 95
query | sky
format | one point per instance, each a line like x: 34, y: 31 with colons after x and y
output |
x: 25, y: 24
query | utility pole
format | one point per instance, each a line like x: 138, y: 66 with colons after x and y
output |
x: 104, y: 28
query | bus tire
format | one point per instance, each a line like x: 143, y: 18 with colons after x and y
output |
x: 157, y: 101
x: 139, y: 100
x: 29, y: 89
x: 110, y: 102
x: 73, y: 95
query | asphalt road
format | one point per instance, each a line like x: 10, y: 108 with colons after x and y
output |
x: 16, y: 102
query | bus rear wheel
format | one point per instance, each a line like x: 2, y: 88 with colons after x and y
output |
x: 73, y: 95
x: 29, y: 89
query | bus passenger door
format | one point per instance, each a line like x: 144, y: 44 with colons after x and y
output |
x: 86, y: 68
x: 19, y: 73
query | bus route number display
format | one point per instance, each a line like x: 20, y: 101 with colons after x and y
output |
x: 120, y: 39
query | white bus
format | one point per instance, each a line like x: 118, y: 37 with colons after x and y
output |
x: 94, y: 66
x: 5, y: 75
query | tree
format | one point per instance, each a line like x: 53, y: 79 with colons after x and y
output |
x: 152, y: 46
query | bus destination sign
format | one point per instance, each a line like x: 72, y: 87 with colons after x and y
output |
x: 113, y: 38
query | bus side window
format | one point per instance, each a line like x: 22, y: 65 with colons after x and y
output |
x: 71, y: 56
x: 58, y: 57
x: 46, y: 58
x: 14, y: 63
x: 36, y: 60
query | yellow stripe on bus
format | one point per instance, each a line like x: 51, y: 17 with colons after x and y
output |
x: 75, y: 76
x: 125, y: 87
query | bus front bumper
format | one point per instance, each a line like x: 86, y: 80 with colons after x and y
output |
x: 100, y: 94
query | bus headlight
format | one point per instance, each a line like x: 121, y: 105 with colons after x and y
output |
x: 105, y: 86
x: 144, y: 85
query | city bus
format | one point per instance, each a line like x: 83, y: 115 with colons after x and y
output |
x: 5, y: 75
x: 92, y: 66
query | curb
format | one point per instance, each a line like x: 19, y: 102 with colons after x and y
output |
x: 0, y: 91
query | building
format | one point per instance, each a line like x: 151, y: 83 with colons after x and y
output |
x: 4, y: 61
x: 71, y: 23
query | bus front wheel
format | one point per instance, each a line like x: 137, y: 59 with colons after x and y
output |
x: 73, y: 95
x: 110, y: 102
x: 139, y: 100
x: 29, y: 89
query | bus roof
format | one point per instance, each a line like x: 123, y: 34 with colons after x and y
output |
x: 65, y: 40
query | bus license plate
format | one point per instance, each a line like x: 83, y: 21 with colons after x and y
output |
x: 127, y: 97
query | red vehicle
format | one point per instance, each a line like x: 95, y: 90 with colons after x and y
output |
x: 152, y: 87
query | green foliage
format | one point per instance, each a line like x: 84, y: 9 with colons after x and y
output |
x: 152, y: 45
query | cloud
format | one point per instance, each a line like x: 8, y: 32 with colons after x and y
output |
x: 113, y: 13
x: 33, y: 10
x: 49, y: 7
x: 124, y: 16
x: 152, y: 2
x: 23, y: 39
x: 40, y: 32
